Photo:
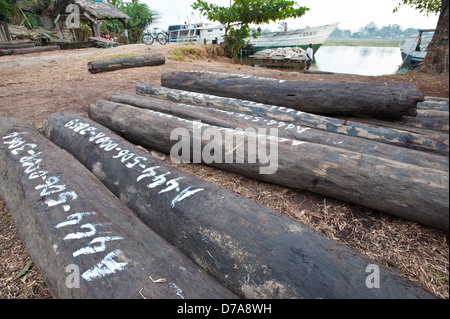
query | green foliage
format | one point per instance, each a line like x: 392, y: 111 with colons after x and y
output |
x: 11, y: 12
x: 424, y: 6
x: 141, y: 17
x: 236, y: 18
x: 8, y: 8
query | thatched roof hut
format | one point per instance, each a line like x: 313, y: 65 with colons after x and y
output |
x: 91, y: 12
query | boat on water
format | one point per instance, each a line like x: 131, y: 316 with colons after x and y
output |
x: 206, y: 33
x: 414, y: 49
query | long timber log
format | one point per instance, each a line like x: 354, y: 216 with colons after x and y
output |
x: 416, y: 193
x: 34, y: 49
x: 232, y: 119
x: 254, y: 251
x: 433, y: 142
x: 85, y: 241
x: 318, y: 97
x: 107, y: 65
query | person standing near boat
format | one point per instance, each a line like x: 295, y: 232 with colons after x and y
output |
x: 309, y: 56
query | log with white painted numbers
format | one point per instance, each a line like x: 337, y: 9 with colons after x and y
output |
x: 86, y: 242
x: 430, y: 141
x: 415, y: 193
x: 235, y: 119
x: 254, y: 251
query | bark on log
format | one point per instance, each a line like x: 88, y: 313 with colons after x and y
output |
x: 256, y: 252
x: 231, y: 119
x: 415, y: 193
x: 434, y: 142
x: 313, y: 97
x: 86, y: 242
x: 126, y: 62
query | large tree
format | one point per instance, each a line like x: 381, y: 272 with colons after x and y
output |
x: 437, y: 58
x: 241, y: 13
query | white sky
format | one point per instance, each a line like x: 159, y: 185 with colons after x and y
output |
x: 351, y: 14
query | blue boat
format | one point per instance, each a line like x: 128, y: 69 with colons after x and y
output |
x: 414, y: 49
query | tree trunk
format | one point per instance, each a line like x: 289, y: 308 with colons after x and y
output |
x: 231, y: 119
x: 256, y: 252
x: 437, y: 58
x: 431, y: 141
x: 126, y: 62
x: 86, y: 242
x: 375, y: 98
x: 411, y: 192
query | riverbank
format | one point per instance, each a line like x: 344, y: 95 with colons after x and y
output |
x: 35, y: 85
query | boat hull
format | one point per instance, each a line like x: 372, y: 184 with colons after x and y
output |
x: 295, y: 38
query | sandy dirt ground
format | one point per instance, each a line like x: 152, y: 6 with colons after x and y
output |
x: 35, y: 85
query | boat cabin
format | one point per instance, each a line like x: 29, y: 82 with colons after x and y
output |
x: 196, y: 33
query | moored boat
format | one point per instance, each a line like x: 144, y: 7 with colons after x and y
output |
x: 414, y: 49
x: 206, y: 33
x: 294, y: 38
x: 196, y: 33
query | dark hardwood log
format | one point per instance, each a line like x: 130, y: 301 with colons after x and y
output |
x: 416, y: 193
x: 32, y: 49
x: 15, y: 45
x: 126, y: 62
x: 233, y: 119
x: 433, y: 141
x: 86, y: 242
x: 256, y: 252
x: 318, y: 97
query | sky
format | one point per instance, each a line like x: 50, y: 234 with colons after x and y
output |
x: 351, y: 14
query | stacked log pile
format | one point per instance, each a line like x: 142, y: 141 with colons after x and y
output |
x: 409, y: 191
x: 24, y: 47
x: 84, y: 240
x: 252, y: 250
x: 197, y: 240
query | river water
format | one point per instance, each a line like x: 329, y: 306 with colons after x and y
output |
x: 358, y: 60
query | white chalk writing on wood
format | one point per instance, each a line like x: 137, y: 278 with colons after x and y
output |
x: 31, y: 159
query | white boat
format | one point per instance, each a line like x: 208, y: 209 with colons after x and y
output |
x: 294, y: 38
x: 207, y: 33
x: 414, y: 49
x: 196, y: 33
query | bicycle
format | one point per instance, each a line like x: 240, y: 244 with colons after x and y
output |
x: 161, y: 37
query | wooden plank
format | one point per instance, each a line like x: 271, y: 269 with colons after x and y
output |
x: 256, y: 252
x: 432, y: 142
x: 84, y: 241
x: 126, y: 62
x: 232, y: 119
x: 415, y: 193
x: 318, y: 97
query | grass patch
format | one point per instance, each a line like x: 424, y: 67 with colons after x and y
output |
x: 120, y: 55
x: 190, y: 51
x: 363, y: 42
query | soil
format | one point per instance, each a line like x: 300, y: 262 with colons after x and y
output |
x: 35, y: 85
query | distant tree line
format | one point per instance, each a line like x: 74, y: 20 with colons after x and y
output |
x: 372, y: 31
